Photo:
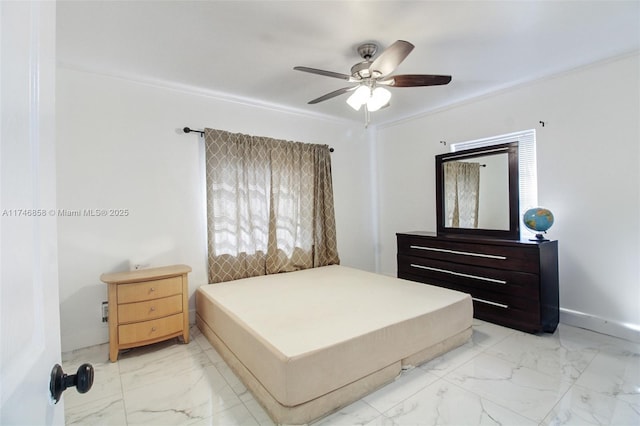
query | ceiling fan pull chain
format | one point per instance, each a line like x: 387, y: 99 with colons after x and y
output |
x: 367, y: 116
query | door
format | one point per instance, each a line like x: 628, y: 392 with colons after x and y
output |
x: 29, y: 308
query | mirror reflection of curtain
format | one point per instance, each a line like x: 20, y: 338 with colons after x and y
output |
x: 462, y: 187
x: 269, y: 206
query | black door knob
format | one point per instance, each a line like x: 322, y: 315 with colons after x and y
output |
x: 82, y: 380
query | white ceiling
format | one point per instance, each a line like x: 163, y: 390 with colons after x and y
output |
x: 247, y: 49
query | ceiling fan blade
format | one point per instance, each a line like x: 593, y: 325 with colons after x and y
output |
x: 332, y: 94
x: 413, y: 80
x: 390, y: 58
x: 323, y: 72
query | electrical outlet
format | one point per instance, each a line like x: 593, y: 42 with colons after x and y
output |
x: 105, y: 311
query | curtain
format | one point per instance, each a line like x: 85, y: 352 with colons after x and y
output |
x: 462, y: 187
x: 269, y: 206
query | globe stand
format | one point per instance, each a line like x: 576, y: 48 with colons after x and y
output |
x: 539, y: 237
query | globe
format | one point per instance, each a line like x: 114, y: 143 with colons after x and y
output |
x: 538, y: 220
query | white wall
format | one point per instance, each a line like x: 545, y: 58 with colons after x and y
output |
x: 588, y: 160
x: 119, y: 148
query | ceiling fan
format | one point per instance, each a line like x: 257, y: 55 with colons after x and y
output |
x: 372, y: 75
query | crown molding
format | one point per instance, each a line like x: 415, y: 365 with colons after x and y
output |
x: 505, y: 89
x: 207, y: 93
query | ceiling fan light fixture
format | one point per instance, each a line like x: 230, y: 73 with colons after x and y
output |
x: 375, y: 71
x: 379, y: 98
x: 360, y: 97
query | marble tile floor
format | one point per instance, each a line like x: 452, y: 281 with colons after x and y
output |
x: 500, y: 377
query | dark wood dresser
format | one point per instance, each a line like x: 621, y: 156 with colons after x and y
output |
x: 512, y: 283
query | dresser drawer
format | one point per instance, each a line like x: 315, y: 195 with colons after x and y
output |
x: 150, y: 330
x: 527, y: 319
x: 525, y: 285
x: 135, y: 292
x: 156, y: 308
x: 506, y: 257
x: 505, y: 300
x: 501, y: 308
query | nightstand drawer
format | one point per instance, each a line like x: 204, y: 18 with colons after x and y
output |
x: 150, y: 330
x: 136, y: 292
x: 144, y: 311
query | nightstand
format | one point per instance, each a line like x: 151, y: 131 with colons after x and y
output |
x: 147, y: 306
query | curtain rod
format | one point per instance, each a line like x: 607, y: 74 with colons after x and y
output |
x: 189, y: 130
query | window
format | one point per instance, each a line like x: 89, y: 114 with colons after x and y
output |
x: 269, y: 206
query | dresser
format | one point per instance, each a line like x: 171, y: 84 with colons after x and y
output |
x: 512, y: 283
x: 147, y: 306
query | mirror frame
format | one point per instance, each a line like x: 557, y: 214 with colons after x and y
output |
x: 513, y: 233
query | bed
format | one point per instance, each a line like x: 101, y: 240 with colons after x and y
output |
x: 309, y: 342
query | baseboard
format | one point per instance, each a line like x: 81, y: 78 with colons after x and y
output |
x: 625, y: 331
x: 91, y: 337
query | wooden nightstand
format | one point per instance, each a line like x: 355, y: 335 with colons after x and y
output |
x: 147, y: 306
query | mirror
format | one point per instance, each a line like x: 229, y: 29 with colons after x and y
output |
x: 477, y: 192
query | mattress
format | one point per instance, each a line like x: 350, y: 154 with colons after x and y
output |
x: 303, y: 335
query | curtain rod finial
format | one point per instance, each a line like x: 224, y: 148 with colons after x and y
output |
x: 189, y: 130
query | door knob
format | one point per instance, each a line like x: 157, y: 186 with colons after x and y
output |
x: 82, y: 380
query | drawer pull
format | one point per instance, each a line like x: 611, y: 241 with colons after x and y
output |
x: 152, y: 289
x: 153, y: 329
x: 460, y: 274
x: 463, y: 253
x: 500, y: 305
x: 152, y: 309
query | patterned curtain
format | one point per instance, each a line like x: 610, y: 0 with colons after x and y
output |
x: 269, y: 206
x: 461, y: 190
